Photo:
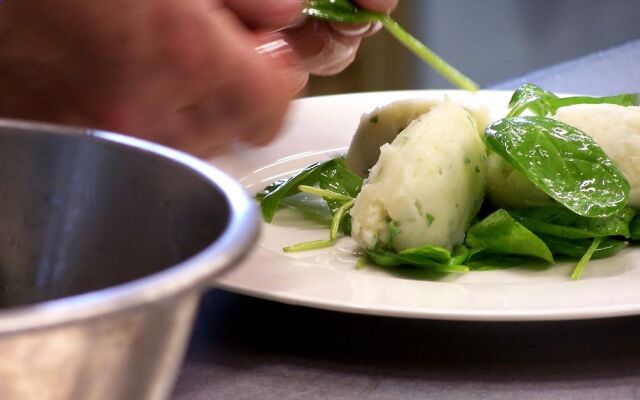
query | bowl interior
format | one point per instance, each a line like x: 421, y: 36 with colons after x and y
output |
x: 78, y: 214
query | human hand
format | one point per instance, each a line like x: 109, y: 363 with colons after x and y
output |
x: 326, y: 48
x: 185, y: 73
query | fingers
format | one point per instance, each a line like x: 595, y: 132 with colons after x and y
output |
x: 361, y: 30
x: 276, y: 45
x: 328, y: 48
x: 320, y: 49
x: 351, y: 29
x: 383, y: 6
x: 267, y: 14
x: 245, y: 97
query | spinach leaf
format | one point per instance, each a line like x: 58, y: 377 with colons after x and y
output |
x: 310, y: 207
x: 577, y: 248
x: 342, y: 11
x: 272, y: 195
x: 459, y: 255
x: 561, y: 222
x: 429, y: 257
x: 562, y: 161
x: 339, y: 179
x: 542, y: 102
x: 634, y: 228
x: 270, y: 188
x: 332, y: 174
x: 531, y: 97
x: 436, y: 254
x: 500, y: 233
x: 486, y: 260
x: 345, y: 11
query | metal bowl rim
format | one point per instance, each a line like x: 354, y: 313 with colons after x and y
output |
x: 192, y: 274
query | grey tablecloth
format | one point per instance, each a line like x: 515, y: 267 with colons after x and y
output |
x: 245, y: 348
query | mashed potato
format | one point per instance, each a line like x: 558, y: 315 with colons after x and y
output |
x: 383, y: 124
x: 615, y: 128
x: 426, y: 186
x: 509, y: 189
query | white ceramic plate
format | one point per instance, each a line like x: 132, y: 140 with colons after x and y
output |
x: 321, y: 127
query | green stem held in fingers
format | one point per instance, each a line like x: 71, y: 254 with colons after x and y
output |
x: 435, y: 61
x: 344, y: 11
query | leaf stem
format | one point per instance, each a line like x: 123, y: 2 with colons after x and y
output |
x: 435, y: 61
x: 306, y: 246
x: 333, y: 232
x: 327, y: 194
x: 577, y: 272
x: 337, y: 217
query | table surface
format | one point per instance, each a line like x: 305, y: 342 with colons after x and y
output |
x: 246, y: 348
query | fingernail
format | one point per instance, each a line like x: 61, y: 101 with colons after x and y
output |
x: 351, y: 30
x: 272, y: 43
x: 375, y: 27
x: 296, y: 18
x: 275, y: 45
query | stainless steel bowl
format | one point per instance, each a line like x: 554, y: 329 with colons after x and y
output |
x: 106, y: 243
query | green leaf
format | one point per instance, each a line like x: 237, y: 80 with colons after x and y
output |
x: 562, y: 161
x: 433, y: 258
x: 270, y: 188
x: 344, y: 11
x: 272, y: 195
x: 500, y: 233
x: 542, y: 102
x: 531, y: 97
x: 311, y: 208
x: 339, y: 179
x: 330, y: 175
x: 575, y: 249
x: 459, y: 255
x: 436, y: 254
x: 625, y: 99
x: 485, y: 260
x: 561, y: 222
x: 336, y: 177
x: 634, y: 228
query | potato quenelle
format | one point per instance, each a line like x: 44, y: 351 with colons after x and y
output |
x: 615, y: 128
x: 423, y: 190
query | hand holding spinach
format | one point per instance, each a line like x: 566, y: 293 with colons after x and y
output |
x: 345, y: 11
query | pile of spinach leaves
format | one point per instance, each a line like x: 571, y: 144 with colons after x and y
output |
x: 590, y: 218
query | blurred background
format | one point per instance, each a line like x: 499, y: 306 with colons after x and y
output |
x: 488, y: 40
